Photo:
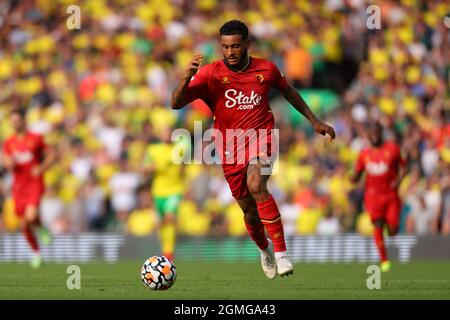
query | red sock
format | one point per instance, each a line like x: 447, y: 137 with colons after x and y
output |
x: 270, y: 217
x: 379, y: 241
x: 31, y: 239
x: 258, y: 235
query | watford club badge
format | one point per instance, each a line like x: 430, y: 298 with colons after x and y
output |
x: 260, y: 77
x: 225, y: 80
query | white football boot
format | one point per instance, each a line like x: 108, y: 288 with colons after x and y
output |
x: 268, y: 261
x: 284, y: 265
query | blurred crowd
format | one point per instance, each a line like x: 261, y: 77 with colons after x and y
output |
x: 100, y: 95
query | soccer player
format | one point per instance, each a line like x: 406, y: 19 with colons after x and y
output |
x: 384, y: 168
x: 167, y: 188
x: 236, y: 90
x: 27, y: 156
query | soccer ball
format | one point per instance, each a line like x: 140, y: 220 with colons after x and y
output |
x: 158, y: 273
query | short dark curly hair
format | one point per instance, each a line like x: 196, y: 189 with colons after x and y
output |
x: 234, y: 27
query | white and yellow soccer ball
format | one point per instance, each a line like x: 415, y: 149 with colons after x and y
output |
x: 158, y: 273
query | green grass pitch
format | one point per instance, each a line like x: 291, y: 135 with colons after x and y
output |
x: 213, y: 280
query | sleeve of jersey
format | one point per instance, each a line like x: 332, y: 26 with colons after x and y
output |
x: 197, y: 86
x: 279, y: 80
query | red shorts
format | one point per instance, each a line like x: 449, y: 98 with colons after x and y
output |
x: 236, y: 176
x: 384, y: 207
x: 235, y: 162
x: 21, y: 203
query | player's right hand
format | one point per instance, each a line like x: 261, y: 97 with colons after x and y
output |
x: 8, y: 162
x: 324, y: 129
x: 194, y: 65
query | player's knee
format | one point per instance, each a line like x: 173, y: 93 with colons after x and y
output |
x: 23, y: 224
x: 392, y: 231
x: 379, y: 223
x: 253, y: 188
x: 256, y: 187
x: 169, y: 218
x: 30, y: 216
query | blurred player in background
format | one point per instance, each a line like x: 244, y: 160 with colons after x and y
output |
x: 236, y: 90
x: 167, y: 188
x: 384, y: 168
x: 27, y: 156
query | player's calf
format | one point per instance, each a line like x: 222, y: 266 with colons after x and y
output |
x: 33, y: 222
x: 392, y: 230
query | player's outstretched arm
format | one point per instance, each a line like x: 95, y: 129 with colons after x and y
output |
x: 7, y: 162
x: 49, y: 159
x: 177, y: 100
x: 402, y: 172
x: 356, y: 176
x: 294, y: 98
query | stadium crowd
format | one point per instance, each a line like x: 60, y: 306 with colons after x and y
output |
x: 101, y: 95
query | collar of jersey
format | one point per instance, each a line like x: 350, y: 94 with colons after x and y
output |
x: 235, y: 71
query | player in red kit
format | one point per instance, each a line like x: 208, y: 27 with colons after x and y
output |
x: 236, y: 90
x: 27, y: 156
x: 383, y: 166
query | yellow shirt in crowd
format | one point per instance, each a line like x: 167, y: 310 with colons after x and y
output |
x: 167, y: 179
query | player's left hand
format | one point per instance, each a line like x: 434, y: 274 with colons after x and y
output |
x: 395, y: 184
x: 36, y: 171
x: 323, y: 129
